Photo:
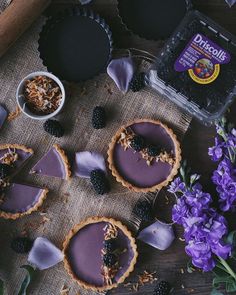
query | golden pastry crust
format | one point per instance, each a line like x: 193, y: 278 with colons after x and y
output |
x: 13, y: 216
x: 65, y: 160
x: 88, y: 221
x: 16, y: 146
x: 124, y: 182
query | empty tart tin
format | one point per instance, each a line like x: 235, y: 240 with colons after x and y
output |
x: 76, y: 44
x: 153, y: 19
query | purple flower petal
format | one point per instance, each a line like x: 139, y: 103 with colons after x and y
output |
x: 230, y: 2
x: 86, y: 162
x: 121, y: 71
x: 3, y: 115
x: 159, y: 235
x: 44, y: 254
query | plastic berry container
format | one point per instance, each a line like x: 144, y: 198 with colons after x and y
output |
x: 197, y: 68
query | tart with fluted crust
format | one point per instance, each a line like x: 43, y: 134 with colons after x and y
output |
x: 84, y: 253
x: 54, y: 164
x: 18, y: 200
x: 15, y: 155
x: 136, y: 167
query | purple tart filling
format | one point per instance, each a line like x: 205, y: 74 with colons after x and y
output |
x: 85, y: 254
x: 51, y: 164
x: 14, y: 156
x: 19, y: 198
x: 131, y: 165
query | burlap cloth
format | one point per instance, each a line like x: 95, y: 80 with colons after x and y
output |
x: 68, y: 201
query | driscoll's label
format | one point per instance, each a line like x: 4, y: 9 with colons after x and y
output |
x: 202, y: 59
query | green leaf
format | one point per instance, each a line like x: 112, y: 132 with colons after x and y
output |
x: 25, y: 284
x: 231, y: 238
x: 1, y: 287
x: 231, y: 286
x: 216, y: 292
x: 217, y: 281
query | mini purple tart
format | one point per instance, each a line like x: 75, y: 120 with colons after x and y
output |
x: 17, y: 200
x: 54, y: 163
x: 15, y: 155
x: 138, y: 170
x: 84, y: 254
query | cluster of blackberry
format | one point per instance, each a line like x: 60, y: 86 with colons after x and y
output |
x: 138, y: 143
x: 99, y: 181
x: 109, y: 258
x: 5, y: 170
x: 210, y: 97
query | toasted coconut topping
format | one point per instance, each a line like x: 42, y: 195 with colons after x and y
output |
x: 10, y: 157
x: 125, y: 140
x: 42, y: 95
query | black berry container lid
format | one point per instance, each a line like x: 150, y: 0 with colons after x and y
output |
x: 153, y: 19
x: 197, y: 68
x: 75, y: 44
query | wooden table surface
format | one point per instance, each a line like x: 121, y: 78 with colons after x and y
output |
x: 170, y: 265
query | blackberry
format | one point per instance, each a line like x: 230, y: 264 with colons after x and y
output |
x: 54, y: 128
x: 5, y: 170
x: 143, y: 209
x: 99, y: 118
x: 137, y: 143
x: 99, y: 181
x: 21, y: 245
x: 109, y: 259
x: 153, y: 150
x: 162, y: 288
x: 138, y: 82
x: 110, y: 245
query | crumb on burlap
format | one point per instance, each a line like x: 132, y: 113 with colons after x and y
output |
x: 65, y: 290
x: 13, y: 115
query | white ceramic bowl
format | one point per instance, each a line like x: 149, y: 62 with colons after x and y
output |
x: 21, y: 101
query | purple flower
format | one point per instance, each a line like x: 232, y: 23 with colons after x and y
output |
x: 204, y: 228
x: 216, y: 152
x: 225, y: 179
x: 201, y: 255
x: 177, y: 186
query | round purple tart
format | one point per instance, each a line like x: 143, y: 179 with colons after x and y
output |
x: 100, y: 253
x: 144, y: 155
x: 17, y: 200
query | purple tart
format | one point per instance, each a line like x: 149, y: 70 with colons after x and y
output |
x: 54, y: 163
x: 17, y: 200
x: 14, y: 155
x: 100, y: 253
x: 144, y: 155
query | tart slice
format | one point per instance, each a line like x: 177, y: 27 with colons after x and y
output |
x: 100, y: 253
x: 54, y: 163
x: 144, y: 155
x: 17, y: 200
x: 15, y: 156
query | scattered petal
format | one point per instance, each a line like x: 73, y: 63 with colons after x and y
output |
x: 44, y: 254
x: 3, y: 115
x: 159, y: 235
x: 230, y: 2
x: 121, y: 71
x: 86, y: 162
